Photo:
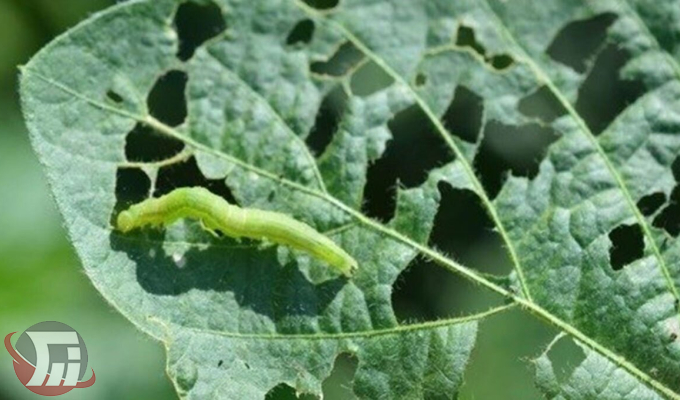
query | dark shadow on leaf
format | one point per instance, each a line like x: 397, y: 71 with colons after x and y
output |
x: 248, y: 270
x: 252, y: 275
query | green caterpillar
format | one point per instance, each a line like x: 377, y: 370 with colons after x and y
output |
x: 215, y: 213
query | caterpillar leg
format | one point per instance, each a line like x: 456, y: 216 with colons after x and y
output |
x: 265, y: 244
x: 209, y: 229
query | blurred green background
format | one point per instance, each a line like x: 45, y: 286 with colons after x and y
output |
x: 41, y: 278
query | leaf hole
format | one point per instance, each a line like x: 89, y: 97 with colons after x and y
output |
x: 604, y: 94
x: 283, y: 391
x: 219, y: 363
x: 421, y: 79
x: 338, y: 385
x: 345, y: 58
x: 132, y: 186
x: 465, y: 37
x: 415, y: 149
x: 675, y: 167
x: 518, y: 149
x: 166, y: 101
x: 519, y: 336
x: 565, y: 356
x: 301, y: 33
x: 144, y: 144
x: 369, y: 79
x: 195, y: 24
x: 322, y: 4
x: 542, y: 104
x: 651, y: 203
x: 501, y: 61
x: 425, y: 291
x: 477, y: 245
x: 463, y: 118
x: 327, y: 120
x: 576, y: 43
x: 187, y: 174
x: 669, y: 217
x: 627, y: 245
x: 113, y: 96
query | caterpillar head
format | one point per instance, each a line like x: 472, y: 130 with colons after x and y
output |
x: 350, y: 267
x: 125, y: 221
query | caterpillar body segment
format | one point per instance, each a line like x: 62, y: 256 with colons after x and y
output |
x: 215, y: 213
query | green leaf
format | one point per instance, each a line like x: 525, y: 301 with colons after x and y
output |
x: 237, y: 318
